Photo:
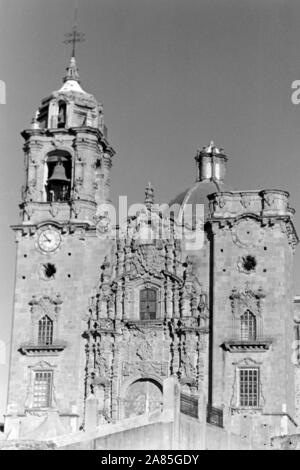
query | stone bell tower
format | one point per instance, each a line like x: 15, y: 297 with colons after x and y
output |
x: 67, y: 177
x: 67, y: 156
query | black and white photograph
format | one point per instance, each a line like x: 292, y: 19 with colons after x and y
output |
x: 150, y: 211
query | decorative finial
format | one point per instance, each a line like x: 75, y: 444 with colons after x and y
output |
x: 72, y: 72
x: 212, y: 148
x: 149, y: 195
x: 35, y: 122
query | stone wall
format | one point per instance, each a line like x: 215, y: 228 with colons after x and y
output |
x: 77, y: 269
x: 258, y: 226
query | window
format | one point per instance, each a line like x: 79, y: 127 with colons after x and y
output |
x: 248, y: 326
x: 62, y: 114
x: 45, y: 336
x: 249, y: 387
x: 148, y: 304
x: 42, y: 389
x: 42, y: 117
x: 58, y: 176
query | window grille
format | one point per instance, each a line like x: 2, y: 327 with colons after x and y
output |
x: 148, y: 304
x: 248, y: 326
x: 42, y: 389
x: 189, y: 405
x: 45, y: 336
x: 214, y: 415
x: 249, y: 387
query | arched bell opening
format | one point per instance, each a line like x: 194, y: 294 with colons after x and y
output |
x: 59, y: 173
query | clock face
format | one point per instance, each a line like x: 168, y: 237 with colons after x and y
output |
x: 49, y: 240
x: 248, y: 233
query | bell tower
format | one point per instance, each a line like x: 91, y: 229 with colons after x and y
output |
x: 67, y: 156
x: 68, y: 160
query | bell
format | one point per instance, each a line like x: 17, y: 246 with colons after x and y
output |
x: 59, y: 174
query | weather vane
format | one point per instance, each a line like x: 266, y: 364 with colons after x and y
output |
x: 74, y: 36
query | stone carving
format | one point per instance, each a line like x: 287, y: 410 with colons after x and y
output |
x: 103, y: 366
x: 103, y: 226
x: 45, y: 306
x: 245, y: 201
x: 120, y: 344
x: 269, y: 199
x: 30, y: 191
x: 246, y: 264
x: 246, y: 300
x: 247, y: 233
x: 146, y: 368
x: 54, y: 209
x: 27, y: 211
x: 221, y: 201
x: 144, y: 350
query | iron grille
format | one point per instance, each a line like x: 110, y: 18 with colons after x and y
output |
x: 42, y: 389
x: 249, y: 387
x: 189, y: 405
x: 214, y: 416
x: 45, y: 336
x: 248, y: 327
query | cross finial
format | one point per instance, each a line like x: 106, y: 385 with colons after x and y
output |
x: 74, y: 36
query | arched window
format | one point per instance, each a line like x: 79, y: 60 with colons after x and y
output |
x: 42, y: 116
x: 62, y: 115
x: 148, y: 304
x: 45, y: 333
x: 58, y: 182
x: 248, y: 326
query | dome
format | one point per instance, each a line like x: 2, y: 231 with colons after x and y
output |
x: 211, y: 168
x: 198, y: 194
x: 71, y: 85
x: 70, y: 106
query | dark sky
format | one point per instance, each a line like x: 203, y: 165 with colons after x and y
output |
x: 172, y: 75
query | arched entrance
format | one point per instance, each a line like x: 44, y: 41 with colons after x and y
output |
x: 142, y: 396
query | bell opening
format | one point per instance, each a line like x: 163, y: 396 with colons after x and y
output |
x: 58, y: 184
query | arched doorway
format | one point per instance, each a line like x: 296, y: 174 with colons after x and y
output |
x: 142, y: 396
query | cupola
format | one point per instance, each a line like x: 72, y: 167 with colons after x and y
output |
x: 211, y: 163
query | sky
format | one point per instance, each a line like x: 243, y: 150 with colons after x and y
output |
x: 172, y: 75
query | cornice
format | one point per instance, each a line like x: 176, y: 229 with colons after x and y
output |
x: 72, y: 131
x: 42, y: 350
x: 255, y: 346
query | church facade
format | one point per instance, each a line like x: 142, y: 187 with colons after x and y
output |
x: 201, y: 291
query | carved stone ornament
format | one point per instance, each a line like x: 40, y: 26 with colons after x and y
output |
x: 146, y: 368
x: 246, y: 264
x: 245, y: 201
x: 144, y: 350
x: 246, y: 300
x: 247, y: 233
x: 222, y: 201
x: 45, y: 306
x: 103, y: 226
